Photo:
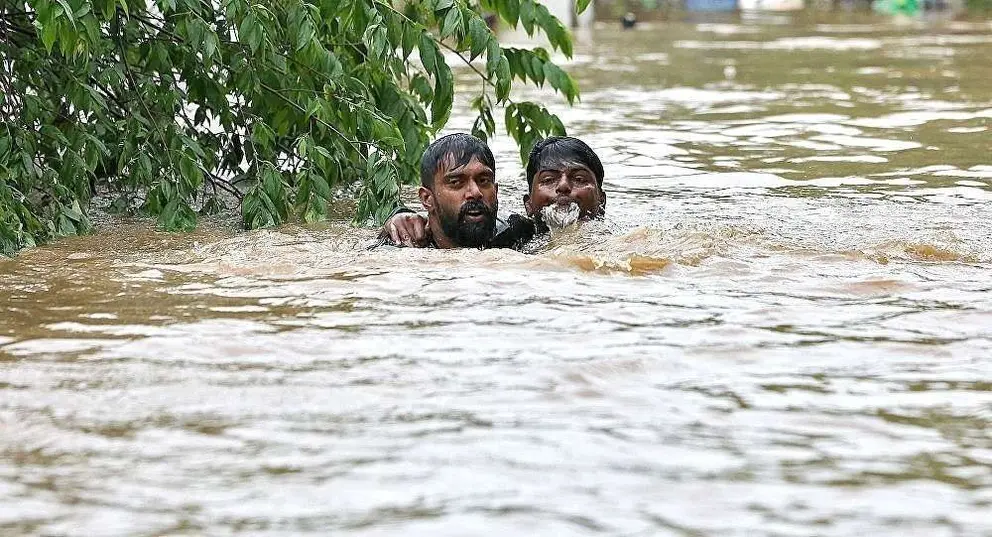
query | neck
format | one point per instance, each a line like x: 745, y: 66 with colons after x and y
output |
x: 441, y: 241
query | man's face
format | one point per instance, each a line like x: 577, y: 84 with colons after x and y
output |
x: 463, y: 204
x: 561, y: 189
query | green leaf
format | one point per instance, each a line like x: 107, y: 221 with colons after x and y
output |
x: 96, y: 97
x: 262, y: 135
x: 304, y: 34
x: 444, y: 91
x: 527, y: 16
x: 144, y: 165
x: 493, y: 55
x: 177, y: 216
x: 581, y: 5
x: 411, y: 36
x: 561, y: 81
x: 511, y: 11
x: 251, y: 32
x: 65, y: 226
x: 555, y: 31
x: 68, y: 11
x: 210, y: 44
x: 316, y: 211
x: 479, y: 130
x: 422, y: 88
x: 503, y: 79
x: 49, y: 33
x: 321, y: 186
x: 479, y: 36
x: 108, y: 9
x: 194, y: 31
x: 91, y: 26
x: 303, y: 144
x: 537, y: 70
x: 380, y: 41
x: 73, y: 212
x: 191, y: 173
x: 428, y: 52
x: 452, y: 23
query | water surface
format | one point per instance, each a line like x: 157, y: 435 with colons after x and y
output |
x: 783, y: 327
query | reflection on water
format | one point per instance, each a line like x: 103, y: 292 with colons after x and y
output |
x: 781, y: 329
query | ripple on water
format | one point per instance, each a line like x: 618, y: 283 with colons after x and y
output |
x: 732, y: 352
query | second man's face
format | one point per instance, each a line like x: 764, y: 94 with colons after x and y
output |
x: 572, y: 186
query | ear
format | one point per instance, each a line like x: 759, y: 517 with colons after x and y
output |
x: 602, y: 201
x: 426, y: 198
x: 527, y: 207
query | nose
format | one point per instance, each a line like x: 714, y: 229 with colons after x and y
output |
x: 564, y: 186
x: 472, y: 192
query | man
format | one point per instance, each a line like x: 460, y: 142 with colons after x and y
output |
x: 565, y: 185
x: 459, y: 192
x: 565, y: 180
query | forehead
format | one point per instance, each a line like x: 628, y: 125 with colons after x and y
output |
x: 561, y: 165
x: 450, y: 164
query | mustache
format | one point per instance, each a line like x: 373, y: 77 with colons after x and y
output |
x: 474, y: 206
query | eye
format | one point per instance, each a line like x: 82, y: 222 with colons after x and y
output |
x: 581, y: 178
x: 456, y: 182
x: 547, y: 179
x: 485, y: 180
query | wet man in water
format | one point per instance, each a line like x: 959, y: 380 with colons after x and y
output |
x: 459, y: 192
x: 565, y: 186
x: 565, y: 181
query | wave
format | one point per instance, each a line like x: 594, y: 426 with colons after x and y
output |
x: 338, y: 250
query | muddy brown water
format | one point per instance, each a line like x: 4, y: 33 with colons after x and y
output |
x: 784, y: 327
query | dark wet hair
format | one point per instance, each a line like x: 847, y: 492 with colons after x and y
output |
x: 553, y: 151
x: 462, y: 147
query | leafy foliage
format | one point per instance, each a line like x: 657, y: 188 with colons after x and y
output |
x: 178, y: 108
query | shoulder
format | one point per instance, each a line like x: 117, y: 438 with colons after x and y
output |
x: 513, y: 232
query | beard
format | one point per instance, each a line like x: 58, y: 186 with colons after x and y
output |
x: 466, y: 233
x: 557, y: 216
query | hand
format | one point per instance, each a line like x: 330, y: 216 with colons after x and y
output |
x: 408, y: 229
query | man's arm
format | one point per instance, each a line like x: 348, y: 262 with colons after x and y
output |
x: 513, y: 233
x: 407, y: 228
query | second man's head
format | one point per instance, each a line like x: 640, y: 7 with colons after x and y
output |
x: 565, y: 182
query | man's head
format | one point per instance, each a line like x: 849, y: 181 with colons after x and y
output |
x: 565, y: 182
x: 459, y: 191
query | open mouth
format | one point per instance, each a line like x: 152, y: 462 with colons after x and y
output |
x: 558, y: 215
x: 474, y: 215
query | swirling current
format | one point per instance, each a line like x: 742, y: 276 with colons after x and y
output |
x: 783, y: 327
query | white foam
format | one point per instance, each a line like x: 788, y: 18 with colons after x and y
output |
x: 980, y: 171
x: 787, y: 43
x: 875, y: 144
x: 806, y: 119
x: 918, y: 117
x: 871, y: 159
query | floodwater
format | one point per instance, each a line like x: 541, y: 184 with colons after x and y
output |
x: 783, y: 328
